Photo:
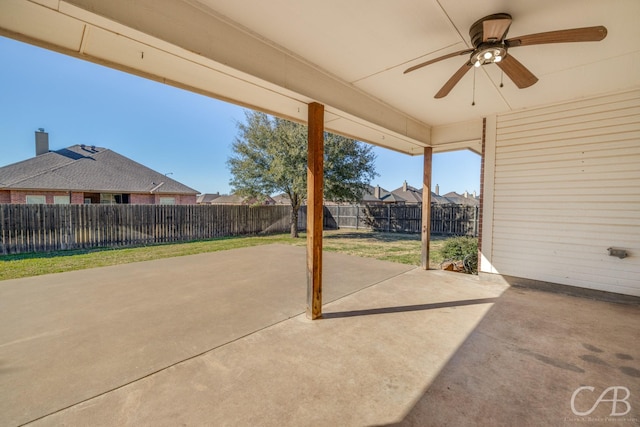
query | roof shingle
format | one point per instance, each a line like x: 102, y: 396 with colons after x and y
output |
x: 88, y: 168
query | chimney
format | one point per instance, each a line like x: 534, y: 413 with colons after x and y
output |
x: 42, y: 142
x: 404, y: 186
x: 376, y: 192
x: 437, y: 190
x: 466, y: 194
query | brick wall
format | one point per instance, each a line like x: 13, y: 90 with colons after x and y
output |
x: 20, y: 197
x: 481, y: 205
x: 186, y: 199
x: 142, y: 199
x: 77, y: 198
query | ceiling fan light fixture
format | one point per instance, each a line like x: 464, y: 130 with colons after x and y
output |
x: 488, y: 54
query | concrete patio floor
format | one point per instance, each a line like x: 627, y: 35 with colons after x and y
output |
x: 221, y: 339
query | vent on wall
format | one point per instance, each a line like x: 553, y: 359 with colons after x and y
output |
x: 620, y: 253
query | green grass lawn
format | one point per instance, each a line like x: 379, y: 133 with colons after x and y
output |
x: 401, y: 248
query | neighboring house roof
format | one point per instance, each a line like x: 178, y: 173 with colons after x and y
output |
x: 410, y: 194
x: 281, y: 199
x: 393, y: 198
x: 234, y: 199
x: 207, y: 198
x: 87, y: 168
x: 228, y: 199
x: 378, y: 194
x: 413, y: 195
x: 466, y: 199
x: 441, y: 200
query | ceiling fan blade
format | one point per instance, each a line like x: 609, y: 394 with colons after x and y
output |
x: 450, y: 55
x: 586, y: 34
x: 517, y: 72
x: 495, y: 29
x: 453, y: 80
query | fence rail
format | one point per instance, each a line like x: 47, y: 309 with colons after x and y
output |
x: 43, y: 228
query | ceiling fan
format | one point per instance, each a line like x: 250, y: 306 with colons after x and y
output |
x: 490, y: 47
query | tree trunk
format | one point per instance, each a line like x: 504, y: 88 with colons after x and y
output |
x: 294, y: 220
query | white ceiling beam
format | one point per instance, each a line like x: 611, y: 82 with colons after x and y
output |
x: 457, y: 136
x: 203, y: 33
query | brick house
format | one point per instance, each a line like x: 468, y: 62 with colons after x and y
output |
x: 413, y: 196
x: 206, y: 198
x: 87, y: 174
x: 235, y: 199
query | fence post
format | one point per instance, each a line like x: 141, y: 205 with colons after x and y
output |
x: 388, y: 218
x: 357, y: 215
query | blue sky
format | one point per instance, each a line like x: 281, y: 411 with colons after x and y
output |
x: 167, y: 129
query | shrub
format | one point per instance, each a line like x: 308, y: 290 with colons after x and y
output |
x: 463, y: 249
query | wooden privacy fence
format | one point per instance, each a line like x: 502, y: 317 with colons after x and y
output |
x: 446, y: 219
x: 42, y: 228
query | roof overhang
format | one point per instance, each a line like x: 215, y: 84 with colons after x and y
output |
x: 279, y: 56
x: 145, y: 38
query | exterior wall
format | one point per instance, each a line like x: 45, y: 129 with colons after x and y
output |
x: 20, y: 197
x: 142, y: 199
x: 77, y: 198
x: 565, y: 183
x: 145, y: 199
x: 184, y: 199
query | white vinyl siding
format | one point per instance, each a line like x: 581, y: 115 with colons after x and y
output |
x: 566, y: 188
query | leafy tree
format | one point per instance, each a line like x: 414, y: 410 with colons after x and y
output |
x: 270, y: 156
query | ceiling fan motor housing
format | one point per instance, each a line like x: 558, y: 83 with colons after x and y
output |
x: 476, y: 32
x: 488, y: 40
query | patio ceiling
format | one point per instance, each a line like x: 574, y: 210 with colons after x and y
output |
x: 280, y: 55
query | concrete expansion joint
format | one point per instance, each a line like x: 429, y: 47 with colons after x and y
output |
x: 157, y: 371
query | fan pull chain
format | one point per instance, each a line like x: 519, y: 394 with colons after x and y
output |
x: 501, y: 76
x: 473, y: 101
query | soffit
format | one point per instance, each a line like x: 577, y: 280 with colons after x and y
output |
x: 279, y: 55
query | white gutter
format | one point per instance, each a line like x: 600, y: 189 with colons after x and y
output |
x: 156, y: 187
